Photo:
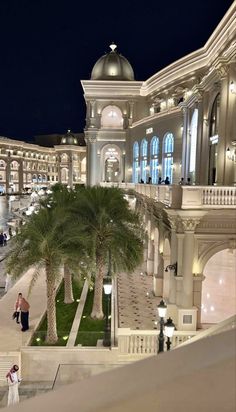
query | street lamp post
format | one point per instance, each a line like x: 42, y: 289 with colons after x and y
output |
x: 169, y: 331
x: 107, y: 332
x: 107, y: 286
x: 161, y: 312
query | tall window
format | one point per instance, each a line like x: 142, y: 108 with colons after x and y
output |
x: 168, y: 149
x: 213, y: 141
x: 154, y: 153
x: 144, y: 150
x: 135, y: 162
x: 193, y: 144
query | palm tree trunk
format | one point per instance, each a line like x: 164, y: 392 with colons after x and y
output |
x: 97, y: 312
x: 68, y: 291
x: 51, y: 308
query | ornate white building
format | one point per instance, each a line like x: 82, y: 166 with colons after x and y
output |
x: 24, y: 165
x: 180, y: 124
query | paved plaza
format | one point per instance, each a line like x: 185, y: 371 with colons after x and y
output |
x: 137, y: 306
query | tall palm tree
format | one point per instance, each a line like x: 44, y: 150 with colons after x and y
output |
x: 112, y: 227
x: 62, y: 200
x: 43, y: 245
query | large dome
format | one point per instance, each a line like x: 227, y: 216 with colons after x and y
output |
x: 112, y: 66
x: 69, y: 139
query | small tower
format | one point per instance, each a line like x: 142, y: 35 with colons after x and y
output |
x: 110, y: 96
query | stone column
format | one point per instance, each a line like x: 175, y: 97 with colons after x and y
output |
x: 131, y: 112
x: 199, y: 138
x: 184, y: 143
x: 70, y: 171
x: 173, y: 256
x: 189, y: 220
x: 92, y: 172
x: 145, y: 250
x: 20, y: 176
x: 150, y: 260
x: 157, y: 281
x: 224, y: 139
x: 8, y: 173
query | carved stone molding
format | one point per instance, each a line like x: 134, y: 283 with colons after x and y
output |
x: 190, y: 224
x: 222, y: 71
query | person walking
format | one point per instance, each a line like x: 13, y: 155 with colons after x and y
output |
x: 13, y: 384
x: 18, y: 307
x: 1, y: 239
x: 4, y: 239
x: 24, y: 310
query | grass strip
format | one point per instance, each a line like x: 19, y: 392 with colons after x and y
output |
x: 65, y: 313
x: 90, y: 330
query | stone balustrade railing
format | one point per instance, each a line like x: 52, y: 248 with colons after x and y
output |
x: 225, y: 325
x: 185, y: 197
x: 145, y: 342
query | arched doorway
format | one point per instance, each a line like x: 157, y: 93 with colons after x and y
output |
x: 111, y: 164
x: 112, y: 169
x: 219, y: 287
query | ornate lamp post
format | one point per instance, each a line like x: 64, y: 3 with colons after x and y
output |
x: 107, y: 286
x: 161, y: 312
x: 169, y: 330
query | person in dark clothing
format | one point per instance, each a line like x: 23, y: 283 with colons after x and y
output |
x: 159, y: 180
x: 24, y: 309
x: 1, y: 239
x: 4, y: 239
x: 167, y: 180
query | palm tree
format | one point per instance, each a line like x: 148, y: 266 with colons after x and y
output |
x: 43, y: 245
x: 62, y: 199
x: 112, y: 227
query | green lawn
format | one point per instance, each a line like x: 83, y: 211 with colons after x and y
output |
x: 65, y: 315
x: 90, y: 330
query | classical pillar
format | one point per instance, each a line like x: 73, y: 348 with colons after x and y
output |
x: 20, y: 176
x: 199, y: 138
x: 157, y: 281
x: 189, y: 221
x: 92, y: 171
x: 224, y: 138
x: 150, y: 260
x: 173, y: 255
x: 8, y: 175
x: 184, y: 170
x: 70, y: 171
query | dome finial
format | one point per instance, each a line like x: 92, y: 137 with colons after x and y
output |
x: 113, y: 46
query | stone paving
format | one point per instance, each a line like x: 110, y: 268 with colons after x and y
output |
x: 137, y: 306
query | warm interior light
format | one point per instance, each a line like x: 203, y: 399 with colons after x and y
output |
x: 232, y: 87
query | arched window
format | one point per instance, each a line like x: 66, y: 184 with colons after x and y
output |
x: 154, y: 153
x: 135, y: 162
x: 168, y: 149
x: 193, y: 144
x: 112, y: 118
x: 214, y: 119
x: 144, y: 151
x: 213, y: 140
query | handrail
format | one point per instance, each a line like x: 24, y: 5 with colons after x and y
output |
x: 229, y: 323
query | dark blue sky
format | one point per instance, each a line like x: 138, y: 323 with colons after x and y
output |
x: 48, y: 46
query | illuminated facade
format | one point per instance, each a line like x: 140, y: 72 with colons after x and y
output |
x: 179, y: 124
x: 30, y: 166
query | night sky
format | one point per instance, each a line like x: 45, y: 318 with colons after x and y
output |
x: 48, y: 46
